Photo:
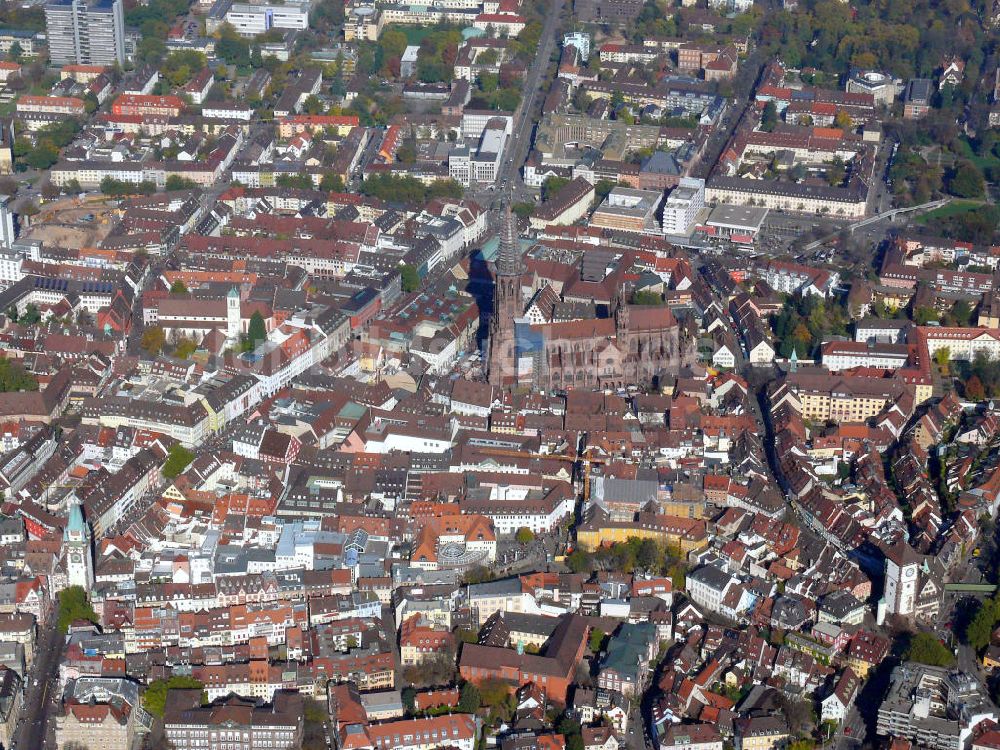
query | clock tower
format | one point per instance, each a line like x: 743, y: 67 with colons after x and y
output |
x: 902, y: 579
x: 77, y: 548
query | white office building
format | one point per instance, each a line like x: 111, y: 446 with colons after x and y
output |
x: 579, y: 40
x: 884, y: 88
x: 251, y: 20
x: 468, y: 168
x: 682, y: 206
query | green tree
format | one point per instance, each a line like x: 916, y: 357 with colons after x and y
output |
x: 924, y: 315
x: 769, y: 117
x: 74, y: 605
x: 332, y: 183
x: 677, y: 572
x: 409, y: 696
x: 926, y: 649
x: 178, y: 458
x: 393, y: 43
x: 179, y: 67
x: 602, y: 189
x: 597, y: 637
x: 489, y: 81
x: 942, y: 357
x: 295, y: 181
x: 13, y: 377
x: 313, y: 105
x: 580, y: 561
x: 315, y: 729
x: 523, y: 209
x: 406, y: 154
x: 551, y: 186
x: 154, y: 699
x: 524, y: 535
x: 974, y: 390
x: 408, y: 190
x: 961, y: 313
x: 178, y: 287
x: 410, y: 278
x: 979, y: 630
x: 43, y: 156
x: 648, y: 556
x: 256, y: 330
x: 569, y: 727
x: 494, y: 692
x: 965, y: 180
x: 116, y: 188
x: 469, y: 699
x: 646, y: 297
x: 234, y: 50
x: 153, y: 339
x: 185, y: 348
x: 176, y: 182
x: 31, y: 315
x: 836, y: 171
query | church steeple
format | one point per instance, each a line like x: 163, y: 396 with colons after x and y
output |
x: 507, y: 302
x: 619, y: 310
x: 509, y: 261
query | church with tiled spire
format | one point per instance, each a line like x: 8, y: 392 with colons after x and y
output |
x: 507, y: 303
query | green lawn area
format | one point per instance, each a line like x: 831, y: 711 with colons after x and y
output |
x: 951, y: 209
x: 983, y: 162
x: 414, y: 34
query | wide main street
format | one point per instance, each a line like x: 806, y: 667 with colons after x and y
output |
x: 520, y: 141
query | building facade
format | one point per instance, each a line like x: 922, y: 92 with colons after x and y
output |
x: 85, y: 34
x: 234, y: 722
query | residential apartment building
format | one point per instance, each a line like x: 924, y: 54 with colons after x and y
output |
x: 97, y: 726
x: 842, y: 398
x: 140, y: 104
x: 52, y: 105
x: 86, y: 34
x: 788, y: 196
x: 843, y: 355
x: 683, y: 205
x: 234, y: 722
x: 933, y: 707
x: 761, y: 733
x: 456, y: 730
x: 11, y: 698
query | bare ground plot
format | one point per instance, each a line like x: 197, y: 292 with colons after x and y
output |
x: 73, y: 228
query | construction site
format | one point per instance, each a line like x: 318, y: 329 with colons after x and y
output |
x: 72, y: 223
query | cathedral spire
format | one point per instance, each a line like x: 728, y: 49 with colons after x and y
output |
x: 507, y: 303
x: 619, y: 310
x: 509, y: 261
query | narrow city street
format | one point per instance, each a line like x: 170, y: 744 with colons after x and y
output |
x: 41, y: 689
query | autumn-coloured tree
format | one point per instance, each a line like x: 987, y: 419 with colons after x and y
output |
x: 974, y: 390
